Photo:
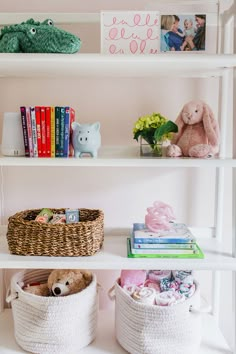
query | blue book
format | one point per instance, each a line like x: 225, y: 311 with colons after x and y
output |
x: 178, y: 233
x: 57, y: 130
x: 67, y: 132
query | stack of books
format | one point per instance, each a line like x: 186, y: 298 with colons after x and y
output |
x: 178, y: 242
x: 47, y: 131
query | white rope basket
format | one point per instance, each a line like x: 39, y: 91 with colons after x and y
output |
x: 45, y: 325
x: 152, y: 329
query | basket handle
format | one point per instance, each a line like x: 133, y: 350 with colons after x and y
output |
x: 111, y: 293
x: 206, y: 308
x: 11, y: 296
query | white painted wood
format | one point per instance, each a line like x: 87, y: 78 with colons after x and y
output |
x: 234, y: 310
x: 213, y: 341
x: 98, y: 65
x: 225, y: 108
x: 114, y: 256
x: 219, y: 198
x: 229, y: 35
x: 118, y: 156
x: 216, y: 287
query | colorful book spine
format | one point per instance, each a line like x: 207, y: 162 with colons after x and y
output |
x: 57, y: 130
x: 24, y: 130
x: 29, y: 130
x: 163, y: 251
x: 66, y: 132
x: 178, y: 233
x: 162, y: 240
x: 52, y: 132
x: 72, y: 119
x: 34, y: 131
x: 197, y: 254
x: 38, y: 127
x: 43, y: 131
x: 163, y: 245
x: 62, y: 131
x: 48, y: 130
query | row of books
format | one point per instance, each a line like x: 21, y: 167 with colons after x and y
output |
x: 178, y: 242
x: 47, y: 131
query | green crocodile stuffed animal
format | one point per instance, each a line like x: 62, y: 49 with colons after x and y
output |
x: 35, y: 37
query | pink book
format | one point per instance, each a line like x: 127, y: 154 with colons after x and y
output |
x: 29, y: 130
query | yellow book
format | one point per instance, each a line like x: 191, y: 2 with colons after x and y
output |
x: 52, y: 132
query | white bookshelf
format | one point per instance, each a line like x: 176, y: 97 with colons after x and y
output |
x: 113, y: 255
x: 117, y: 156
x: 213, y: 341
x: 98, y: 65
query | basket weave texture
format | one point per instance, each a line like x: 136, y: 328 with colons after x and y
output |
x: 53, y: 325
x: 153, y: 329
x: 28, y: 237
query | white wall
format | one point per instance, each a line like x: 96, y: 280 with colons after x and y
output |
x: 123, y: 193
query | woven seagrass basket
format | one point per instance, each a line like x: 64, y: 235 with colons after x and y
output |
x: 26, y: 236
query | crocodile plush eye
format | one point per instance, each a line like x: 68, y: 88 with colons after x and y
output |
x: 50, y: 23
x: 33, y: 31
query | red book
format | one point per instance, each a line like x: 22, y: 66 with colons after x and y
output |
x: 43, y: 131
x: 48, y: 131
x: 38, y: 127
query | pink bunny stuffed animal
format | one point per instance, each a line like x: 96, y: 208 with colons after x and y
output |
x: 198, y: 134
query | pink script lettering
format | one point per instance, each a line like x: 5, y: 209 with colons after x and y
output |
x: 135, y: 21
x: 116, y: 36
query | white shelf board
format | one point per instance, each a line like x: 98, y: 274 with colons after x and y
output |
x: 98, y: 65
x: 117, y: 156
x: 113, y: 255
x: 213, y: 341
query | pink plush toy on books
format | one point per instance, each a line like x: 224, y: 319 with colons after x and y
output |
x: 159, y: 216
x: 198, y: 132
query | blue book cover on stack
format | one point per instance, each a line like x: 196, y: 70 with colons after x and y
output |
x: 178, y: 233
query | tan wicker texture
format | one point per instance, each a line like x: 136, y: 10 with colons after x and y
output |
x: 26, y: 236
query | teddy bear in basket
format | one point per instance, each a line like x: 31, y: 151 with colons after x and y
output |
x: 61, y: 282
x: 198, y: 132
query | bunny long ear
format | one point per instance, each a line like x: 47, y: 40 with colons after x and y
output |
x: 210, y: 125
x: 179, y: 121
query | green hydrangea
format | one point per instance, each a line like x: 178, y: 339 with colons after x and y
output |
x: 154, y: 128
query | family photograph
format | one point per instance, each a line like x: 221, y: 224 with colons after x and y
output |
x: 183, y: 33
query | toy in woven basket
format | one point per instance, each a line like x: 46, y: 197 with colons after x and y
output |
x: 37, y: 37
x: 61, y: 282
x: 59, y: 325
x: 26, y: 236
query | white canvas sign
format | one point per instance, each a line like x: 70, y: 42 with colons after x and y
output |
x: 136, y: 32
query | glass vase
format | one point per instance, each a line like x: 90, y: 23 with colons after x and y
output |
x: 151, y: 150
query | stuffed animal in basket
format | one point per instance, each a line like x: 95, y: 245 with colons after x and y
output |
x: 37, y: 37
x: 37, y: 289
x: 71, y: 281
x: 62, y: 282
x: 198, y: 132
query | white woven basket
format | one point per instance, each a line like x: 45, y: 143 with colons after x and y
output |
x: 152, y: 329
x: 46, y: 325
